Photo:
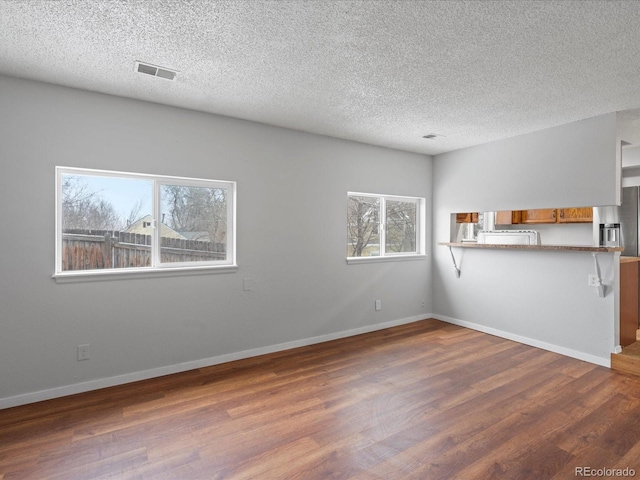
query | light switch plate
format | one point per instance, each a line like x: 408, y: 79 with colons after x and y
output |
x: 248, y: 284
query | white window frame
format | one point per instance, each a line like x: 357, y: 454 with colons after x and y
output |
x: 420, y: 229
x: 157, y: 268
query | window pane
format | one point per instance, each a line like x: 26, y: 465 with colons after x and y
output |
x: 193, y: 224
x: 363, y: 226
x: 401, y: 227
x: 100, y: 217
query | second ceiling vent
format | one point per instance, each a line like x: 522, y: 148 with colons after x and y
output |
x: 155, y: 70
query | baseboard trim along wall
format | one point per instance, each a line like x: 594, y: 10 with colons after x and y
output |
x: 205, y: 362
x: 605, y: 362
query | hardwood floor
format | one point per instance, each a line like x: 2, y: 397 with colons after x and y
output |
x: 427, y: 400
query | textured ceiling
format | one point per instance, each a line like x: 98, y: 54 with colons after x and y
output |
x: 379, y: 72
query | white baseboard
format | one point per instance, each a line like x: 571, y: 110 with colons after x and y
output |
x: 605, y: 362
x: 183, y: 367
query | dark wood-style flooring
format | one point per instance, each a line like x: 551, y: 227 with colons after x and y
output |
x: 427, y: 400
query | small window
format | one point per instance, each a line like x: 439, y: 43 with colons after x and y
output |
x: 115, y: 221
x: 384, y: 226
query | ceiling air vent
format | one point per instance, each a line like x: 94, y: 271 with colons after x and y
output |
x: 155, y: 70
x: 432, y: 136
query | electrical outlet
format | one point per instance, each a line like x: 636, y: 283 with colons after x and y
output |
x: 83, y: 352
x: 378, y: 305
x: 423, y: 303
x: 593, y: 281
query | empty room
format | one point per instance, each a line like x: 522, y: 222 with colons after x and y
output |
x: 289, y: 239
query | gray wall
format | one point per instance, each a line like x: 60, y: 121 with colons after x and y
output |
x: 570, y: 165
x: 540, y: 298
x: 291, y: 233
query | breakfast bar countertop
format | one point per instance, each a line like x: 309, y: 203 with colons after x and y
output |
x: 560, y: 248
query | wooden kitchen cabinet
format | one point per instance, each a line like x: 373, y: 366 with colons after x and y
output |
x: 556, y: 215
x: 629, y: 301
x: 508, y: 217
x: 575, y: 215
x: 546, y: 215
x: 541, y: 215
x: 469, y: 217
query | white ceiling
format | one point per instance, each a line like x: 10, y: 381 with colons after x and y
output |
x: 379, y: 72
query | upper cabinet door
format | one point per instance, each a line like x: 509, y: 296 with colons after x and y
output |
x: 470, y: 217
x: 575, y: 215
x: 508, y: 217
x: 546, y: 215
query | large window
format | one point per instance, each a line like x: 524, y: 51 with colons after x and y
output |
x: 384, y: 226
x: 110, y: 222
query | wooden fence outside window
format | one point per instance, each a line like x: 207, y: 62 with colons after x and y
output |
x: 102, y: 249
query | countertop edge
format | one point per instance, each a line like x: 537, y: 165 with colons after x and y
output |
x: 629, y: 259
x: 557, y: 248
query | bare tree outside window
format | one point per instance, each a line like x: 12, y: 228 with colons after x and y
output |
x: 196, y: 213
x: 84, y: 208
x: 400, y: 226
x: 196, y: 209
x: 363, y: 226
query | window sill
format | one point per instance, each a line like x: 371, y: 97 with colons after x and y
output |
x: 389, y: 258
x: 99, y: 276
